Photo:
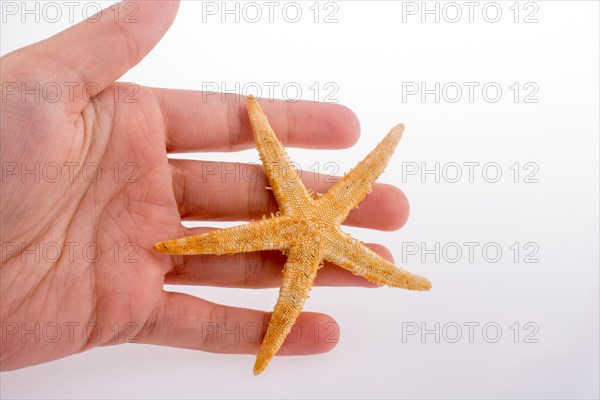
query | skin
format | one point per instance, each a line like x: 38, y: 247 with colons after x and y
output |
x: 82, y: 301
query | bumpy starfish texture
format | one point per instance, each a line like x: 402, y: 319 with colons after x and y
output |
x: 306, y: 229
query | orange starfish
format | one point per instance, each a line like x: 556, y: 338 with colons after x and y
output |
x: 306, y: 229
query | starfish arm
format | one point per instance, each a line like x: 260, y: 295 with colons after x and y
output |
x: 268, y: 234
x: 298, y: 275
x: 289, y: 191
x: 354, y: 186
x: 347, y: 252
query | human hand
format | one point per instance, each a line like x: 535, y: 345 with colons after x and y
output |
x: 78, y: 268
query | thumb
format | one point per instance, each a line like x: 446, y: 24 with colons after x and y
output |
x: 99, y: 50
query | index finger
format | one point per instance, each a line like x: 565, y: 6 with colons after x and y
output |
x: 202, y: 121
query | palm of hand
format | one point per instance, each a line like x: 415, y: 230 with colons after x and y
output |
x: 111, y: 202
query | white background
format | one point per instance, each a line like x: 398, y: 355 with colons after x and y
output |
x: 371, y: 54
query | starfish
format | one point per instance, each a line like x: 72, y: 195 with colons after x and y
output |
x: 306, y: 229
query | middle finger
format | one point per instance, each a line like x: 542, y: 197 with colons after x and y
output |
x: 219, y: 191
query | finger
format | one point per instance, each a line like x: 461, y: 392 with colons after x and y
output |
x: 201, y: 121
x: 181, y: 320
x: 255, y: 270
x: 96, y: 52
x: 233, y: 192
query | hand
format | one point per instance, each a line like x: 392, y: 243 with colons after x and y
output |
x: 87, y: 188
